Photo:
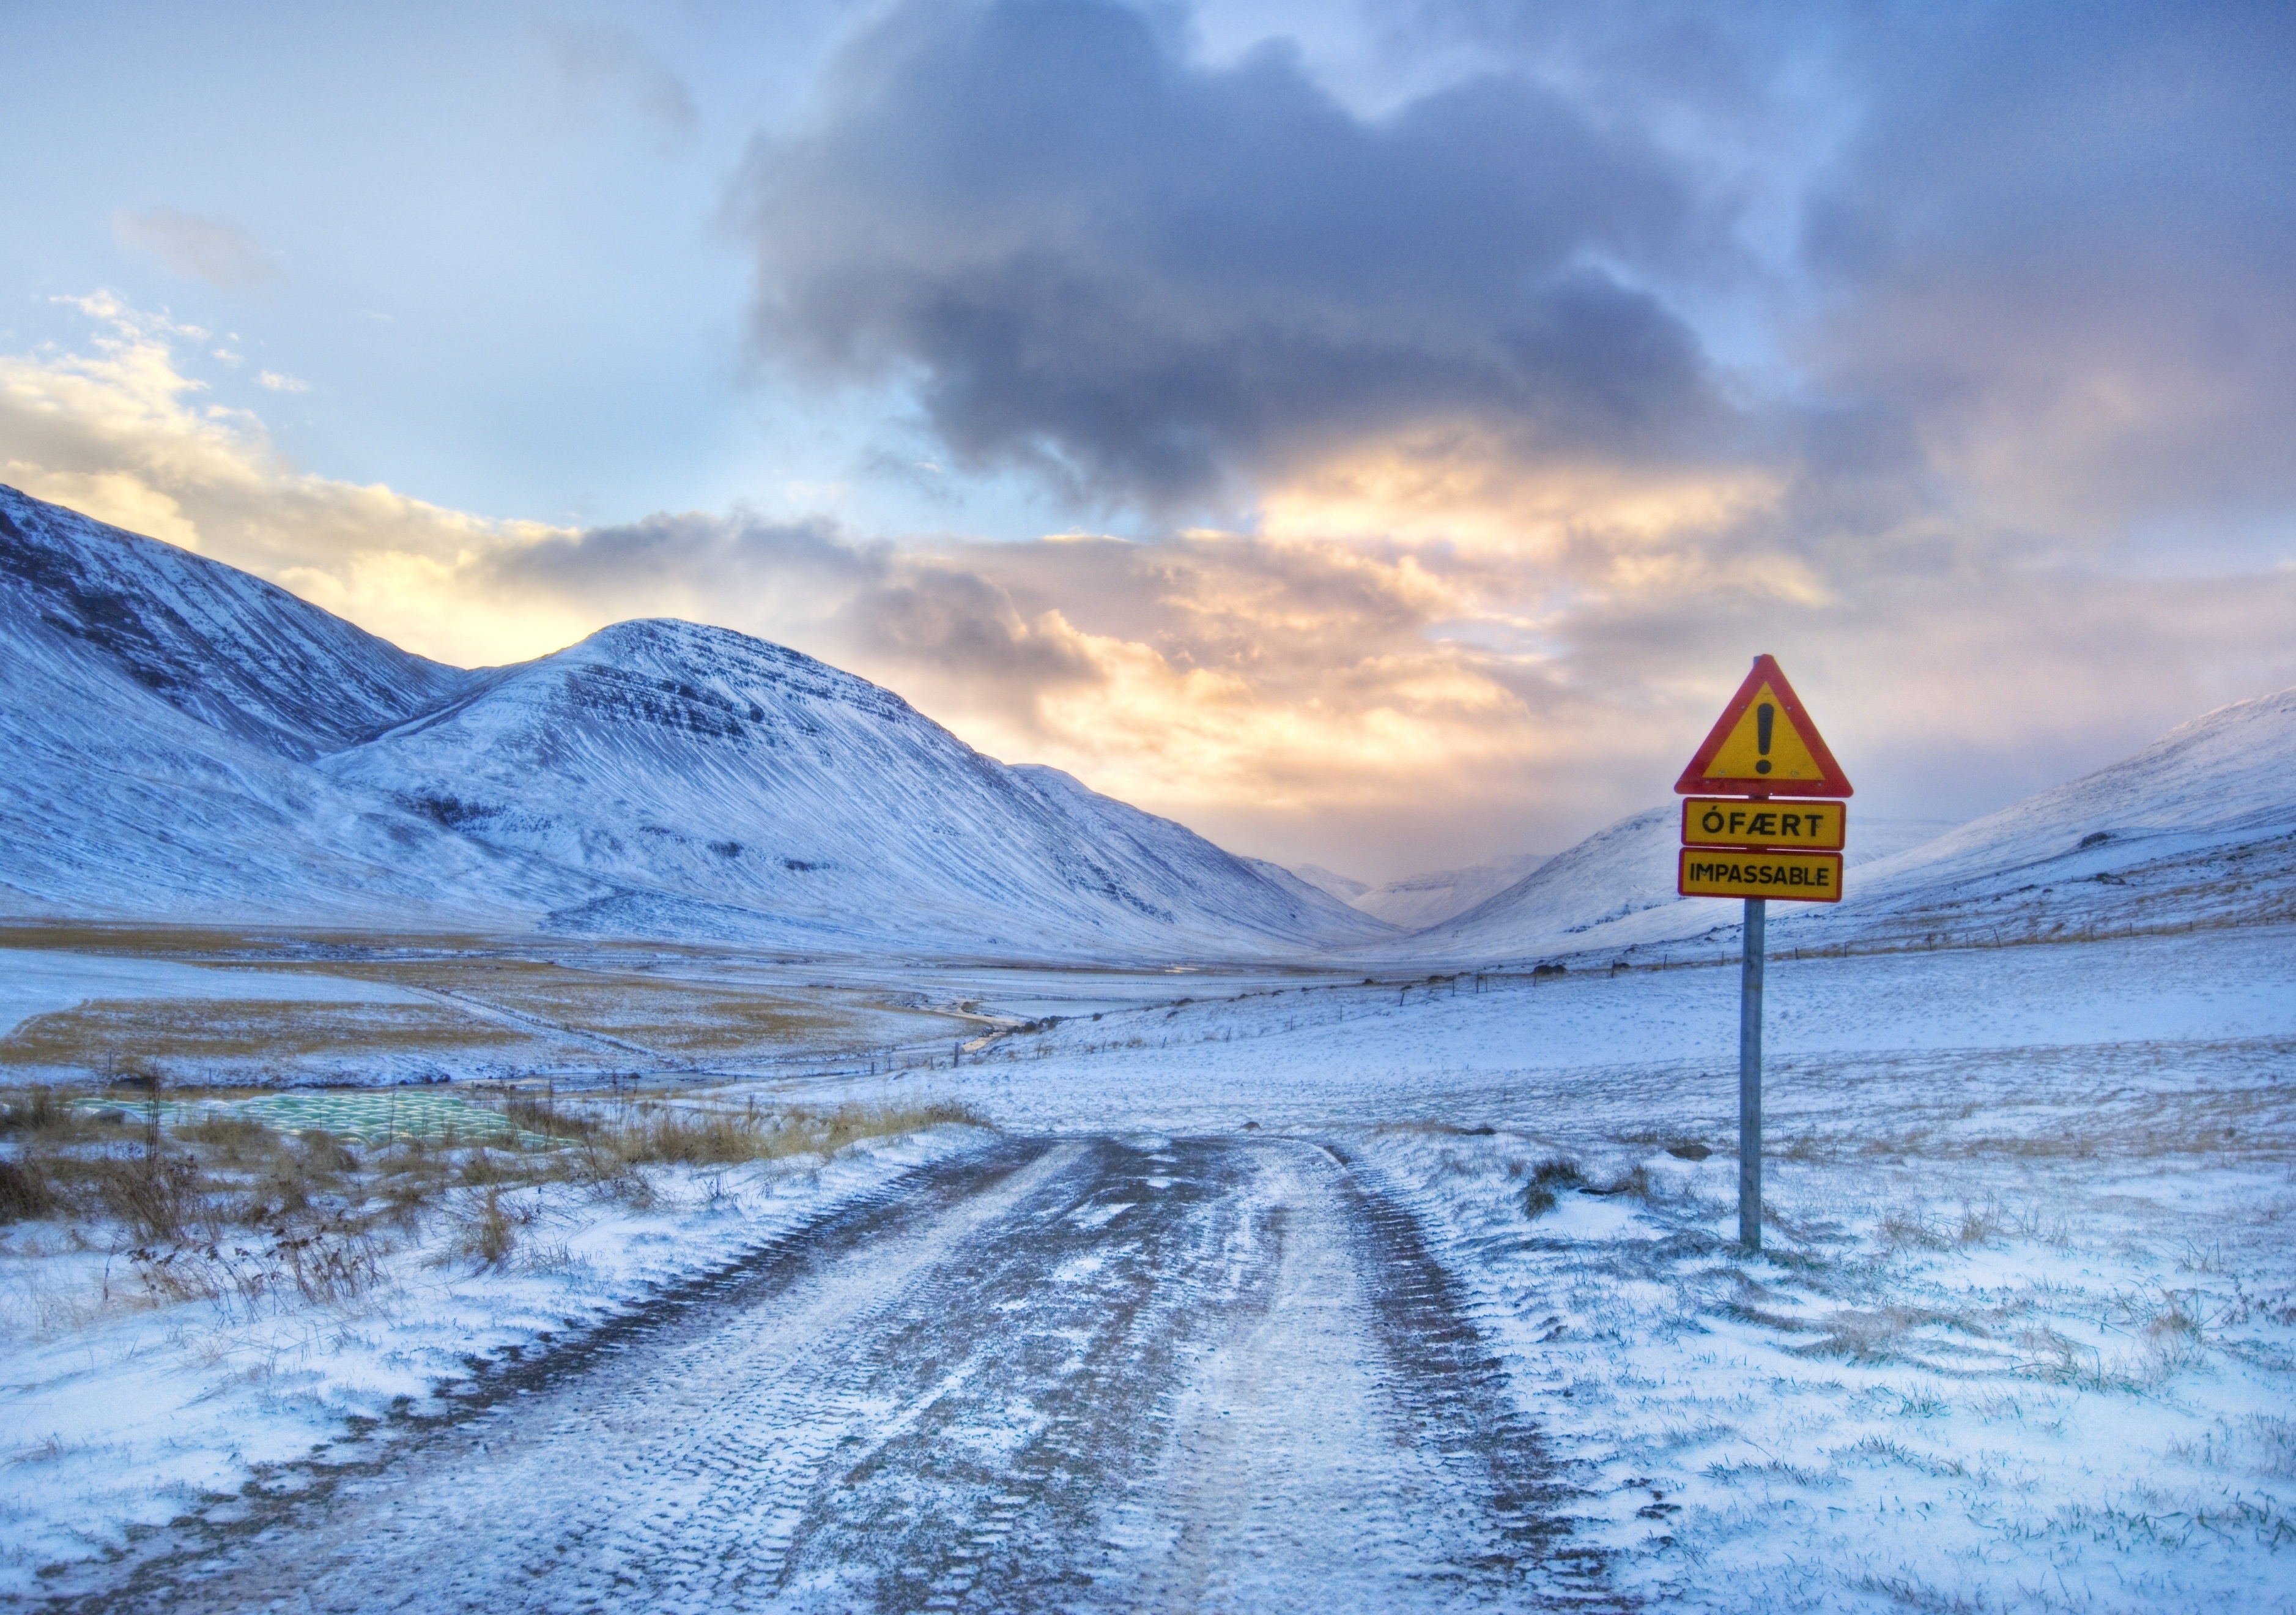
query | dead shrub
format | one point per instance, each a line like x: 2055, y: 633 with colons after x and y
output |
x: 37, y: 1111
x: 488, y: 1235
x: 283, y: 1190
x: 696, y: 1138
x: 540, y: 1114
x: 325, y: 1152
x: 1635, y: 1185
x: 155, y: 1196
x: 25, y: 1190
x: 331, y: 1263
x: 233, y: 1138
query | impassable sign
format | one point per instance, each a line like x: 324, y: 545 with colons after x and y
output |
x: 1730, y: 821
x: 1763, y: 744
x: 1805, y: 877
x: 1742, y: 838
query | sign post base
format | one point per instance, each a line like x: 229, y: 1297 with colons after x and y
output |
x: 1749, y: 1077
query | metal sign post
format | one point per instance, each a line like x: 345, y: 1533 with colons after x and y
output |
x: 1740, y: 842
x: 1750, y: 1076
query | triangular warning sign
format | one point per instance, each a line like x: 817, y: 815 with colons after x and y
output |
x: 1764, y: 744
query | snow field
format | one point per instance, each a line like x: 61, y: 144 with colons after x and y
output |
x: 38, y: 981
x: 124, y: 1410
x: 2025, y: 1336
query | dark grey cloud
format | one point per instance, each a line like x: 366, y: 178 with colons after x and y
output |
x: 2040, y: 254
x: 2067, y: 231
x: 735, y: 551
x: 1148, y: 278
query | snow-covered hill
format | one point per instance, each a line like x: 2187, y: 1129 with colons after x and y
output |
x: 1417, y: 902
x: 148, y: 764
x: 183, y: 741
x: 1345, y: 888
x: 1616, y: 888
x: 686, y: 766
x: 2197, y: 828
x: 218, y: 645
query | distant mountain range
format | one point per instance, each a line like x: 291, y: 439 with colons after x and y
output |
x: 183, y: 742
x: 1418, y: 901
x: 2197, y: 828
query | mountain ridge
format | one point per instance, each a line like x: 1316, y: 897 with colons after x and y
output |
x: 200, y: 744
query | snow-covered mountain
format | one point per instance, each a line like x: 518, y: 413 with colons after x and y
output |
x: 718, y: 782
x: 150, y: 758
x: 1330, y: 881
x: 1417, y: 902
x: 183, y: 741
x: 2197, y: 828
x: 218, y: 645
x: 1616, y: 888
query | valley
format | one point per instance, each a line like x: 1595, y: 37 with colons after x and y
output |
x: 801, y: 1162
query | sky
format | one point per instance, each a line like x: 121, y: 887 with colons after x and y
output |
x: 1377, y: 435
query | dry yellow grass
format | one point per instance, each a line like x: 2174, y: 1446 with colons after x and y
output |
x: 108, y: 1036
x: 575, y: 1003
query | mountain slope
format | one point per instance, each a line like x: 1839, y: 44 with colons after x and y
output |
x: 218, y: 645
x: 1418, y: 901
x: 707, y: 776
x: 1329, y: 881
x: 1616, y: 889
x: 183, y: 741
x: 115, y: 803
x: 2199, y: 826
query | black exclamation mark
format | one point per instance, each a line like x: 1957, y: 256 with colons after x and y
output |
x: 1765, y: 717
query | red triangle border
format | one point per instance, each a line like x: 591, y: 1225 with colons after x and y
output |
x: 1834, y: 782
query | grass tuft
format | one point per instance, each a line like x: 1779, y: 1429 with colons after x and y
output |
x: 1547, y: 1179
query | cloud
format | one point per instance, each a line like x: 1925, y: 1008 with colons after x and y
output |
x: 1487, y: 529
x: 603, y: 65
x: 1158, y: 281
x: 2058, y: 246
x: 272, y: 381
x: 198, y: 249
x: 120, y: 432
x: 2026, y: 261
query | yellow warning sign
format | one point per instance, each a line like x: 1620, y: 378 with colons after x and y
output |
x: 1795, y: 877
x: 1764, y: 745
x: 1733, y: 821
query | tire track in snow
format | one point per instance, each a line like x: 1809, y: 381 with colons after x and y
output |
x: 1194, y: 1374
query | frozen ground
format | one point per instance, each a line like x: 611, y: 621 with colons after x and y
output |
x: 1229, y: 1318
x: 2026, y: 1333
x: 39, y: 981
x: 121, y: 1414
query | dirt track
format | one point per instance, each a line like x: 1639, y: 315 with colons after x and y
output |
x: 1073, y: 1375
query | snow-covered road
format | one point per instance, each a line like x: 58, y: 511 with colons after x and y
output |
x: 1091, y: 1374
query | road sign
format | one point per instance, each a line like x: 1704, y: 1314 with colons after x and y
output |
x: 1744, y: 840
x: 1734, y: 820
x: 1763, y: 742
x: 1799, y: 877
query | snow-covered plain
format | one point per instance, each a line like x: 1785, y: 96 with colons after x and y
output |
x: 2024, y: 1335
x: 37, y: 981
x: 121, y: 1414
